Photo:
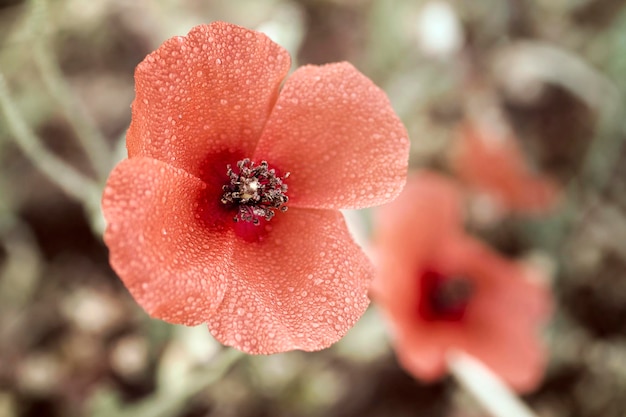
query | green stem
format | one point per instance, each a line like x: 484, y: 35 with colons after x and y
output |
x: 67, y: 178
x: 90, y: 138
x: 489, y: 391
x: 167, y: 404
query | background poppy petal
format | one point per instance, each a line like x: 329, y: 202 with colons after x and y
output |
x: 496, y: 165
x: 503, y: 330
x: 423, y: 229
x: 511, y: 348
x: 301, y: 289
x: 419, y: 355
x: 336, y: 132
x: 408, y: 233
x: 208, y: 92
x: 169, y: 258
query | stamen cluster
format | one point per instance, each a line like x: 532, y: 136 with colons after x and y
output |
x: 444, y: 298
x: 450, y: 296
x: 256, y: 191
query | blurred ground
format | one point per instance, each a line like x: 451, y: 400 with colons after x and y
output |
x: 73, y: 342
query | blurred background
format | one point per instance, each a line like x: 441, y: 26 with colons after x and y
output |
x: 548, y: 76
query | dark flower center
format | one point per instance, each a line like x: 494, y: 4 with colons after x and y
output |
x: 255, y: 190
x: 444, y: 298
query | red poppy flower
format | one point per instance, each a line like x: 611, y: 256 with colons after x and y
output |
x: 442, y: 289
x: 493, y: 163
x: 197, y: 223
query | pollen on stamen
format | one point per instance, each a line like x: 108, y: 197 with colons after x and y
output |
x: 255, y: 191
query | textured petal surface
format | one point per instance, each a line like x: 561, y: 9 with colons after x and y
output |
x: 208, y: 92
x: 171, y: 259
x: 301, y: 288
x: 336, y: 132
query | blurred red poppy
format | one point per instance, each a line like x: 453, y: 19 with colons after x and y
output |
x: 442, y: 289
x: 492, y: 162
x: 197, y: 223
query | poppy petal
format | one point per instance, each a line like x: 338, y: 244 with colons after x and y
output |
x: 422, y: 355
x: 423, y: 230
x: 496, y: 165
x: 338, y: 136
x: 292, y: 291
x: 504, y: 327
x: 512, y: 349
x: 205, y: 93
x: 170, y: 260
x: 427, y: 214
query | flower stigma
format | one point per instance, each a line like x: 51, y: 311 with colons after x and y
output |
x: 255, y: 190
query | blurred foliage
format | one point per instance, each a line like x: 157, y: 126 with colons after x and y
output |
x: 73, y: 342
